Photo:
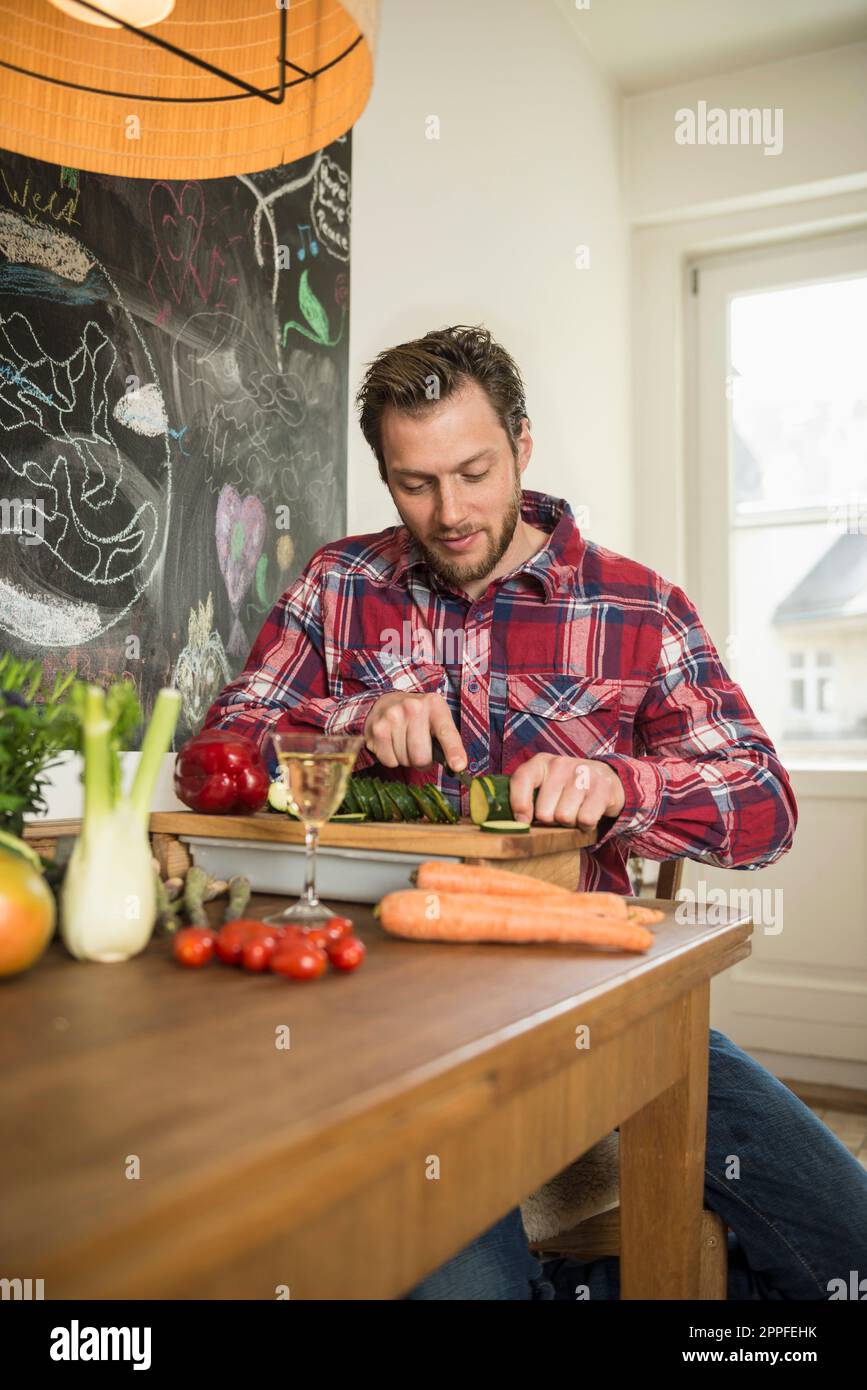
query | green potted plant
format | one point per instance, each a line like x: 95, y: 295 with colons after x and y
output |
x: 36, y: 725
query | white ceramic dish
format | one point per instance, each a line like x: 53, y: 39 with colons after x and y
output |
x: 349, y: 875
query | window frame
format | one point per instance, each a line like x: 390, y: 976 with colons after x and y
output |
x: 717, y: 279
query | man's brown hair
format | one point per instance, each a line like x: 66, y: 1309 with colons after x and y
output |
x: 414, y: 376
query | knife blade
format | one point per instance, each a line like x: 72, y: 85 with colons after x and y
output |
x: 464, y: 778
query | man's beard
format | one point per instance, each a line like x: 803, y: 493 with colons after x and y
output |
x: 455, y: 574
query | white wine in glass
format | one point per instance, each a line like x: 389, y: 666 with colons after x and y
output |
x: 315, y: 770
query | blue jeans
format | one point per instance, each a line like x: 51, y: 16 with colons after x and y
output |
x: 797, y: 1213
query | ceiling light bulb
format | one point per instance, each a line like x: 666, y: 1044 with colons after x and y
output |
x: 141, y: 13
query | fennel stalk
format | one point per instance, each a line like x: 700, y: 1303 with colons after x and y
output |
x: 108, y: 900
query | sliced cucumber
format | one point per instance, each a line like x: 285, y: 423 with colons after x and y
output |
x: 278, y: 799
x: 506, y: 827
x: 372, y: 799
x: 396, y: 808
x: 386, y: 808
x: 428, y: 810
x: 444, y: 807
x: 400, y: 793
x: 489, y: 799
x: 367, y: 798
x: 432, y: 797
x: 277, y: 795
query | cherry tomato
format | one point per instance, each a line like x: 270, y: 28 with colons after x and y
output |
x: 230, y: 942
x: 261, y: 931
x: 346, y: 925
x: 256, y: 954
x: 323, y: 936
x: 194, y: 945
x: 233, y: 937
x: 250, y: 925
x: 347, y: 953
x: 299, y: 961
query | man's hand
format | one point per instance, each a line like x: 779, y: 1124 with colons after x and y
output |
x: 399, y: 727
x: 572, y: 791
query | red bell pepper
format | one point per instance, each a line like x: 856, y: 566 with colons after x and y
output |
x: 221, y: 773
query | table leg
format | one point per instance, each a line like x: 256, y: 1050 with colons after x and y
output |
x: 662, y: 1155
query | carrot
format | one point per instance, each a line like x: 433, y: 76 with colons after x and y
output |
x: 434, y: 876
x: 432, y: 916
x: 643, y: 916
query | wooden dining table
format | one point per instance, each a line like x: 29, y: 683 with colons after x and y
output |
x: 176, y: 1133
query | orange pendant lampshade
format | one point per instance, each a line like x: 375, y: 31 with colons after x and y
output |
x: 182, y: 88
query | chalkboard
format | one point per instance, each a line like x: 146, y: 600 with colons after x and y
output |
x: 173, y: 413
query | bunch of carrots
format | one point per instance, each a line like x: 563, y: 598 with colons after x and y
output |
x: 466, y: 902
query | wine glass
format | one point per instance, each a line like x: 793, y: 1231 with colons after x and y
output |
x: 315, y: 769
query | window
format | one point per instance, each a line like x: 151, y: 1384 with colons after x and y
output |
x: 781, y: 451
x: 811, y: 693
x: 799, y: 492
x: 823, y: 701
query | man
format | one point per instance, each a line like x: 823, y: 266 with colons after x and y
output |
x: 487, y: 622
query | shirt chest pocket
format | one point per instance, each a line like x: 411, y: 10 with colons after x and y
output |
x: 370, y: 668
x: 570, y: 716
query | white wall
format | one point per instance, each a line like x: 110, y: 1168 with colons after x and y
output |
x: 481, y: 226
x: 823, y: 97
x: 684, y: 201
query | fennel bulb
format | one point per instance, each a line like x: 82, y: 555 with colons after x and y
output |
x: 108, y: 900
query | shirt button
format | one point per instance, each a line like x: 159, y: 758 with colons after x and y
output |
x: 475, y: 765
x: 473, y: 687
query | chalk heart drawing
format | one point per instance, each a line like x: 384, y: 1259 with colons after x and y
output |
x: 240, y: 533
x: 176, y: 223
x: 97, y: 467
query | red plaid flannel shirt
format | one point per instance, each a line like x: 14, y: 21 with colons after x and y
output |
x: 579, y: 651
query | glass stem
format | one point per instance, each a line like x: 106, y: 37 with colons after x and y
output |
x: 311, y: 841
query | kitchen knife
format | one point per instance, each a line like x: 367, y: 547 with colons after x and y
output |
x: 464, y: 778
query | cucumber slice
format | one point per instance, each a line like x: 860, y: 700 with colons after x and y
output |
x: 427, y: 809
x: 349, y: 815
x: 489, y: 798
x: 386, y: 812
x: 430, y: 793
x: 400, y: 794
x: 350, y: 801
x: 506, y: 827
x: 396, y: 808
x: 443, y: 805
x: 278, y: 799
x: 373, y: 800
x: 277, y: 795
x: 367, y: 798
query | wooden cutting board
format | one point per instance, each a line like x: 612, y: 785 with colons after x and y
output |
x: 463, y: 840
x: 546, y: 852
